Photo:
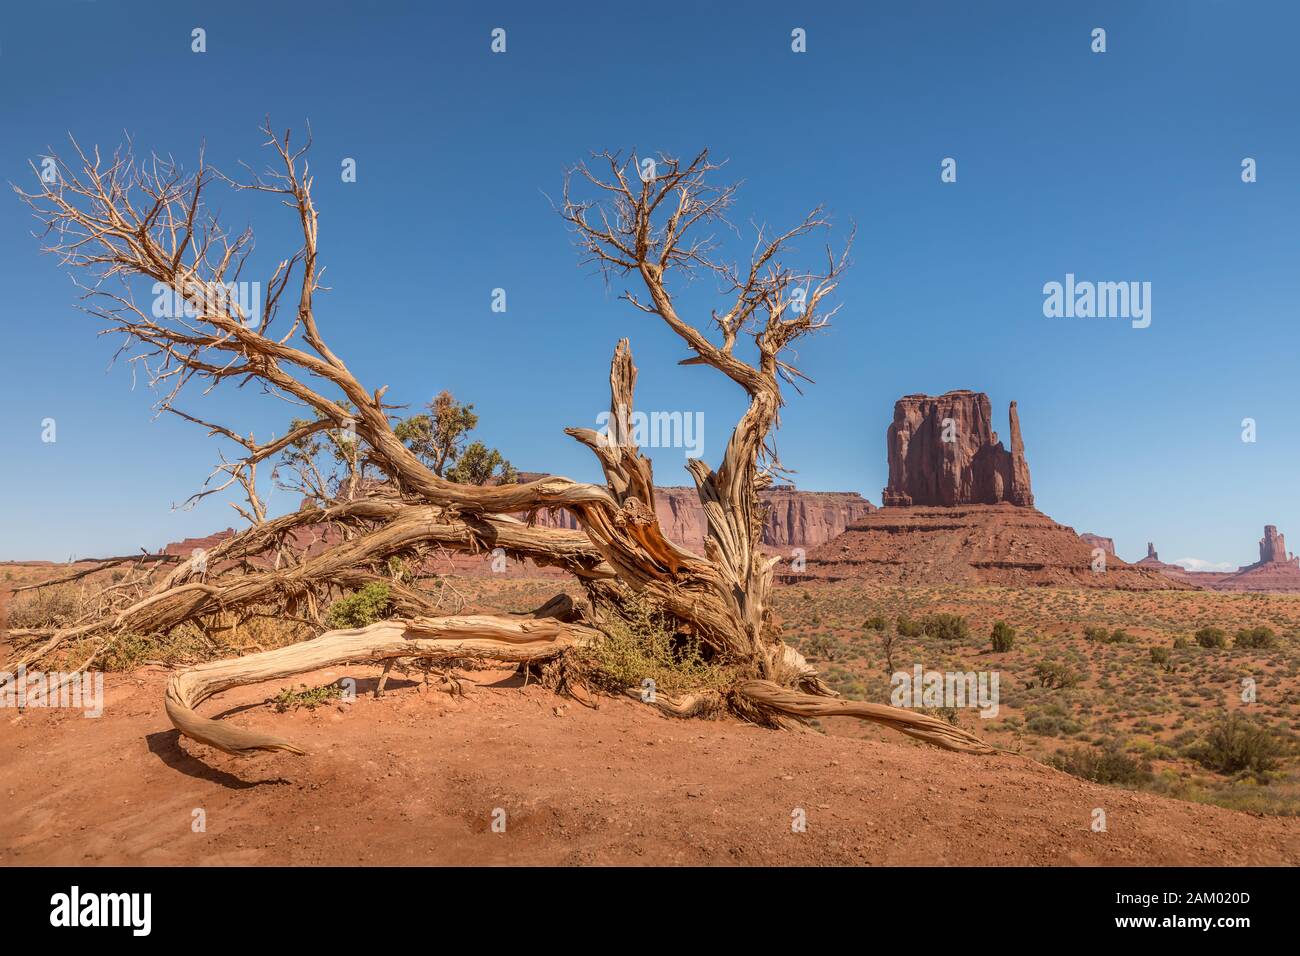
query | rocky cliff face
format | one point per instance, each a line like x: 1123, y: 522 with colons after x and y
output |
x: 809, y: 518
x: 794, y: 518
x: 1097, y: 541
x: 944, y: 452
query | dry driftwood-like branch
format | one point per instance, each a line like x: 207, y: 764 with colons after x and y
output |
x: 650, y: 221
x: 774, y: 702
x: 442, y: 638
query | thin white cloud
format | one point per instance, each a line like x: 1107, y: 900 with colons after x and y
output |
x: 1200, y: 564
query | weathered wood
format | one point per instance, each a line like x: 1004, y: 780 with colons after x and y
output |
x: 442, y: 638
x: 134, y: 221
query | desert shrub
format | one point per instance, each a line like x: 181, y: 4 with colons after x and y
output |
x: 1053, y: 720
x: 399, y: 570
x: 948, y: 627
x: 1160, y: 655
x: 363, y: 607
x: 821, y: 646
x: 876, y: 622
x: 309, y: 697
x: 1098, y: 635
x: 1003, y: 636
x: 1256, y: 637
x: 1212, y: 637
x: 55, y: 606
x: 908, y: 627
x: 643, y: 645
x: 1106, y: 764
x: 1181, y: 642
x: 1054, y: 675
x: 1234, y: 744
x: 184, y: 644
x: 1121, y: 636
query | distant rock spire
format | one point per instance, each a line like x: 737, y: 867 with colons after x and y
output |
x: 1272, y: 547
x: 1021, y: 492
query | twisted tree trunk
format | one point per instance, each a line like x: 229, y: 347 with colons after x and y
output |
x: 122, y: 220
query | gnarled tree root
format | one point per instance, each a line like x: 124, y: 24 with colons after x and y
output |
x: 766, y: 702
x: 704, y: 703
x: 473, y: 636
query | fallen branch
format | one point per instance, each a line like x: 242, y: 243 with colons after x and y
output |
x: 776, y: 702
x: 473, y: 636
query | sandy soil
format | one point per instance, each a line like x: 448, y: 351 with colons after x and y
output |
x: 414, y: 778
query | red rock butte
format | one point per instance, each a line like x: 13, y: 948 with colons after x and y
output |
x: 959, y: 509
x: 944, y: 451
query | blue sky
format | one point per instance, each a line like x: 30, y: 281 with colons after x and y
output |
x: 1115, y: 167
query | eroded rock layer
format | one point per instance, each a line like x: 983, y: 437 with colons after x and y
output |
x: 1000, y: 544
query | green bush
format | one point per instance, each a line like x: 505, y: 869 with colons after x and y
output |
x: 1053, y: 675
x: 363, y: 607
x: 643, y: 645
x: 1121, y: 636
x: 1107, y: 764
x: 1098, y: 635
x: 1212, y: 637
x: 949, y: 627
x: 311, y: 698
x: 1256, y: 637
x: 908, y: 627
x: 876, y: 622
x: 1160, y: 655
x: 1181, y: 642
x: 1003, y: 636
x: 1235, y: 743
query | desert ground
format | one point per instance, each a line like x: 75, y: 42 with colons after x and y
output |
x: 420, y: 775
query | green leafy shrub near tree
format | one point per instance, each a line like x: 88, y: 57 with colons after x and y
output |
x: 366, y: 606
x: 1054, y: 675
x: 1003, y: 637
x: 1106, y: 764
x: 908, y: 627
x: 948, y: 627
x: 644, y: 647
x: 1260, y: 637
x: 1212, y: 637
x: 1235, y: 744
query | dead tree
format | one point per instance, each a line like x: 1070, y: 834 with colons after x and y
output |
x: 149, y: 221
